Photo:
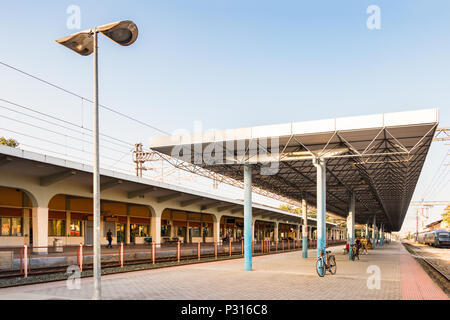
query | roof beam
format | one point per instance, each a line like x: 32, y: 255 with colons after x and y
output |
x: 140, y: 192
x: 227, y: 207
x: 191, y: 201
x: 110, y: 184
x: 237, y: 210
x: 211, y: 205
x: 168, y: 197
x: 53, y: 178
x: 266, y: 215
x: 5, y: 160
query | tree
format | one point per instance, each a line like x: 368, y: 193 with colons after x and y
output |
x: 446, y: 217
x: 291, y: 209
x: 9, y: 142
x: 310, y: 213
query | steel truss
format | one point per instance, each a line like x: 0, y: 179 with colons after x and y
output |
x: 382, y: 171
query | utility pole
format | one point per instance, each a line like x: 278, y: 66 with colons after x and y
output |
x: 417, y: 224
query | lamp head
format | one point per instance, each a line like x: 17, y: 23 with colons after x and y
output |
x: 124, y: 33
x: 81, y: 42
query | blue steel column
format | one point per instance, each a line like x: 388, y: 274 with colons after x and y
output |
x: 374, y: 227
x: 382, y: 235
x: 248, y: 217
x: 351, y: 225
x: 321, y: 204
x: 304, y: 230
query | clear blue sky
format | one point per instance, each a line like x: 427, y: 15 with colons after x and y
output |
x: 235, y: 63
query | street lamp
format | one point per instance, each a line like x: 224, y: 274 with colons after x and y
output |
x: 84, y: 43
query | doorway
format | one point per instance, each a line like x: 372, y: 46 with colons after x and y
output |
x: 120, y: 233
x: 89, y: 232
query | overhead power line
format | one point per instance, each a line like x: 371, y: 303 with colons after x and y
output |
x: 59, y: 119
x: 83, y: 98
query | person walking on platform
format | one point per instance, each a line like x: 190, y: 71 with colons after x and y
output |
x: 357, y: 247
x: 109, y: 238
x: 364, y: 246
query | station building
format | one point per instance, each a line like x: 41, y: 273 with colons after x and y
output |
x: 43, y: 198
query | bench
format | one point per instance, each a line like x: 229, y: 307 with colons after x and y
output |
x: 170, y: 240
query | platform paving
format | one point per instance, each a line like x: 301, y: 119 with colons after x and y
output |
x: 277, y: 276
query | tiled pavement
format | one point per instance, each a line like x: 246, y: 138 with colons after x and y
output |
x: 279, y: 276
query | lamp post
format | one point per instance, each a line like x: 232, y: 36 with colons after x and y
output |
x: 84, y: 43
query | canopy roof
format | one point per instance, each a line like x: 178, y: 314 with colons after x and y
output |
x: 379, y: 157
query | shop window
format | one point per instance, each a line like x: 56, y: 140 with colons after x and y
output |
x: 141, y: 230
x: 75, y: 228
x: 196, y: 232
x: 207, y: 232
x: 180, y: 231
x: 11, y: 226
x: 165, y: 231
x: 56, y: 227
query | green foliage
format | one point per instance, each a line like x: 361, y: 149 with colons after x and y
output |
x: 9, y: 142
x: 291, y: 209
x: 310, y: 213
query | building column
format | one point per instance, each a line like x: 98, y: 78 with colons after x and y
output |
x: 156, y: 229
x: 351, y: 225
x: 26, y: 226
x: 127, y: 231
x: 217, y: 230
x: 40, y: 230
x: 367, y: 232
x: 275, y: 232
x: 248, y: 219
x: 378, y: 234
x: 67, y: 227
x: 321, y: 204
x: 374, y: 227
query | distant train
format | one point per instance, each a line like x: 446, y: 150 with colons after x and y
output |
x: 436, y: 238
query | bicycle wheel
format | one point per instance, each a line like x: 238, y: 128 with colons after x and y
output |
x: 332, y: 264
x: 353, y: 254
x: 320, y: 267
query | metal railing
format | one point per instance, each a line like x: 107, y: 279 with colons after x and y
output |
x: 31, y: 260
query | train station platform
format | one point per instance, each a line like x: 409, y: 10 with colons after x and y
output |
x: 388, y: 272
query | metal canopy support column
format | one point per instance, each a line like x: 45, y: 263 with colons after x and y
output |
x: 382, y: 235
x: 304, y: 230
x: 367, y: 232
x: 248, y: 221
x: 374, y: 227
x: 351, y: 225
x: 321, y: 204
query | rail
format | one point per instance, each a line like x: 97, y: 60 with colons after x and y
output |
x: 32, y: 260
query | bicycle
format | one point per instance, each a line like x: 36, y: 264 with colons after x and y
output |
x: 326, y: 262
x: 355, y: 252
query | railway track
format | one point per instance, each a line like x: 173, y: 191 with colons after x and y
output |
x: 421, y: 254
x: 159, y: 262
x: 57, y: 273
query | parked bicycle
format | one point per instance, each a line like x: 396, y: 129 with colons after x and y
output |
x: 355, y: 252
x: 325, y: 262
